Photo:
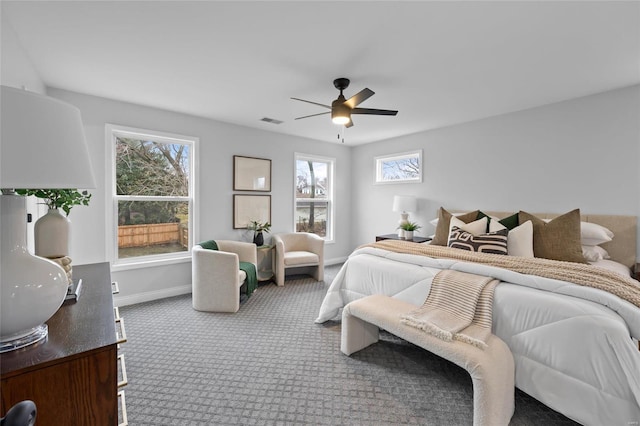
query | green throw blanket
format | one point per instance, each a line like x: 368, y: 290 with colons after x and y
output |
x: 248, y: 267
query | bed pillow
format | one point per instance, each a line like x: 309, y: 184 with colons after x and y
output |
x: 558, y: 239
x: 442, y: 229
x: 476, y: 227
x: 592, y: 234
x: 594, y: 253
x: 491, y: 243
x: 519, y: 239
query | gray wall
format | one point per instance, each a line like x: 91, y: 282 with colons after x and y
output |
x: 582, y: 153
x: 218, y: 143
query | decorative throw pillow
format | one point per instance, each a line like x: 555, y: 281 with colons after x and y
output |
x: 476, y: 227
x: 492, y: 243
x: 519, y: 239
x: 442, y: 229
x: 558, y: 239
x: 592, y: 234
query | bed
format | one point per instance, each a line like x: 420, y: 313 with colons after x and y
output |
x: 575, y: 347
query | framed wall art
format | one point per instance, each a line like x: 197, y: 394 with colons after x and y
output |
x: 247, y: 208
x: 251, y: 174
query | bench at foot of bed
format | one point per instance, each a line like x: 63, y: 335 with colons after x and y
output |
x: 491, y: 369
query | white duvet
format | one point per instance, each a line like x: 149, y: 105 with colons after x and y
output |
x: 571, y: 344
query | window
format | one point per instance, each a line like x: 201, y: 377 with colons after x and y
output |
x: 314, y: 195
x: 153, y: 187
x: 399, y: 168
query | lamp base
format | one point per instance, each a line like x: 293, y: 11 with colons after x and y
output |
x: 32, y: 288
x: 34, y: 336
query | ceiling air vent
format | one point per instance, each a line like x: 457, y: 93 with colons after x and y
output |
x: 271, y: 120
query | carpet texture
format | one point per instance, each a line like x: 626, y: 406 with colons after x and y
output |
x: 269, y: 364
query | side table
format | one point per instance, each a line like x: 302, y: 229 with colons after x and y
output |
x: 265, y: 262
x: 395, y: 237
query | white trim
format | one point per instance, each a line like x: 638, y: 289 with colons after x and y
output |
x: 331, y: 203
x: 111, y: 203
x: 377, y: 167
x: 149, y: 296
x: 151, y: 261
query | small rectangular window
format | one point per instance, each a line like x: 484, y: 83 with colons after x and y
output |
x: 399, y: 168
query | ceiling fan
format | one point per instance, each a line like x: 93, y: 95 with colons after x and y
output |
x: 341, y: 108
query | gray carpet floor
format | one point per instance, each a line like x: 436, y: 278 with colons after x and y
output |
x: 270, y: 364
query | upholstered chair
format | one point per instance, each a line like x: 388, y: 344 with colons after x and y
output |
x: 216, y: 275
x: 297, y: 250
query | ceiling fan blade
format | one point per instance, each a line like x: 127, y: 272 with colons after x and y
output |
x: 359, y: 97
x: 309, y: 102
x: 349, y: 124
x: 373, y: 111
x: 313, y: 115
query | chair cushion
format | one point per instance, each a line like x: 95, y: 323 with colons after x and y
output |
x: 293, y: 258
x: 242, y: 275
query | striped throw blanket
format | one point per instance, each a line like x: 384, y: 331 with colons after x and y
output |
x: 459, y: 307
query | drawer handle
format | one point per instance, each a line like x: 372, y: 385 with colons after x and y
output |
x: 123, y: 370
x: 115, y: 289
x: 116, y: 313
x: 122, y: 336
x: 123, y: 409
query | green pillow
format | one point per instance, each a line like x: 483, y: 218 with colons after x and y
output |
x: 510, y: 222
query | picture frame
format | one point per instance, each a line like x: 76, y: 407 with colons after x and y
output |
x: 404, y: 167
x: 251, y: 174
x: 247, y: 208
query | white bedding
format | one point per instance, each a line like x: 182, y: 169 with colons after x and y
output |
x: 549, y: 332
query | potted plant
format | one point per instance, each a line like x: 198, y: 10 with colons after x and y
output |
x: 258, y: 228
x: 408, y: 229
x: 52, y: 230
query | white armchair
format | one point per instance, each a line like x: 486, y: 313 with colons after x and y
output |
x: 297, y: 250
x: 217, y: 277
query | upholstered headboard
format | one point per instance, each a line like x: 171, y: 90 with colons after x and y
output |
x: 624, y: 245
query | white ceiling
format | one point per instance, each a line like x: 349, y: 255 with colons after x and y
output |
x: 438, y: 63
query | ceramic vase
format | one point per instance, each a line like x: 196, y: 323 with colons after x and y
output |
x: 258, y: 239
x: 52, y: 234
x: 408, y: 235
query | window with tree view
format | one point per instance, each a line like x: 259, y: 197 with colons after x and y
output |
x: 399, y: 168
x: 152, y: 194
x: 314, y: 196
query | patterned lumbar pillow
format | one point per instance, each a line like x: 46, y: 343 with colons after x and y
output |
x: 493, y: 242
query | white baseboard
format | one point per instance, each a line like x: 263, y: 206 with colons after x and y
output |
x: 151, y: 295
x: 335, y: 261
x: 180, y: 290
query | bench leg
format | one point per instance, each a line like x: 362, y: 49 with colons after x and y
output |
x: 356, y: 333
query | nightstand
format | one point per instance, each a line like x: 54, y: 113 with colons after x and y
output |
x: 395, y: 237
x: 265, y: 262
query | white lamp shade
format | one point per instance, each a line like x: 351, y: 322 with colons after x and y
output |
x: 42, y: 143
x: 404, y: 203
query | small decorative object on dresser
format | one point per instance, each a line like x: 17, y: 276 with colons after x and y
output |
x: 258, y: 228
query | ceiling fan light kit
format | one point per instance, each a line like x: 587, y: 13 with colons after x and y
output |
x: 341, y: 108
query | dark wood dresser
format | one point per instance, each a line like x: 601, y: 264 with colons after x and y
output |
x: 72, y: 376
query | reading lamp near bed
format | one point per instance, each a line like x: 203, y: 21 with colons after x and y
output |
x: 404, y: 204
x: 42, y: 146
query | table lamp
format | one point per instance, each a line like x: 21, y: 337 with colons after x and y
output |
x: 42, y: 145
x: 404, y: 204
